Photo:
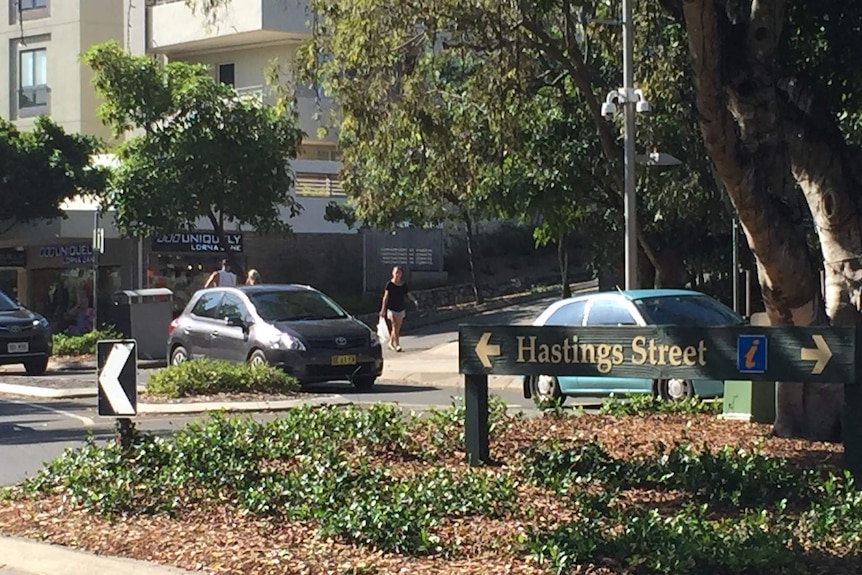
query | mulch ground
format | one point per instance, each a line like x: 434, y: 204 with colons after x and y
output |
x: 223, y: 540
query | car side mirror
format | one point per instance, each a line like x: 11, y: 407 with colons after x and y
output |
x: 235, y: 321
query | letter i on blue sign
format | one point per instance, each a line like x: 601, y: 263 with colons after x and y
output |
x: 751, y: 353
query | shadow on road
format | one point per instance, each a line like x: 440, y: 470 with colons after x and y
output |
x: 30, y: 436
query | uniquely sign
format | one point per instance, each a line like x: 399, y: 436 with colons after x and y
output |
x: 72, y: 254
x: 196, y: 242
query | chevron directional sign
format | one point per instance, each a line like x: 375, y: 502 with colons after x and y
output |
x: 117, y: 361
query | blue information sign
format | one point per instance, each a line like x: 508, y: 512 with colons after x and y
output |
x: 751, y: 353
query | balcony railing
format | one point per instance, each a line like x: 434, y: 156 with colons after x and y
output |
x: 318, y: 185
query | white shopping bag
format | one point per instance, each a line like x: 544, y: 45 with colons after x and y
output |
x: 382, y: 330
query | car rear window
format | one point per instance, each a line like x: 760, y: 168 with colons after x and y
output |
x: 6, y: 303
x: 686, y: 310
x: 569, y: 314
x: 295, y: 306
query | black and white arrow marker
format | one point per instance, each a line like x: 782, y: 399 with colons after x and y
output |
x: 109, y: 379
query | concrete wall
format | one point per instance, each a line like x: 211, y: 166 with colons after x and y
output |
x: 329, y: 262
x: 175, y: 27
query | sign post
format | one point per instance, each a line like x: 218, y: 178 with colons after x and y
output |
x: 117, y: 362
x: 476, y: 418
x: 756, y: 353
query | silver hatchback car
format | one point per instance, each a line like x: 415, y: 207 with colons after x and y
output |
x: 294, y: 327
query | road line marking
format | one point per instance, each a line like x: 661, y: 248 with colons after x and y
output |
x: 88, y: 422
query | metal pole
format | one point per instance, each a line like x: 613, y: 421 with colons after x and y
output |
x: 141, y: 276
x: 96, y: 250
x: 629, y: 200
x: 748, y: 293
x: 735, y: 272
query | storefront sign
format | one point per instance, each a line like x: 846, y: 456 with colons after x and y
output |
x: 75, y: 254
x: 196, y: 242
x: 12, y: 258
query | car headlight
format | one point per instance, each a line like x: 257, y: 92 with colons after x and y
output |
x: 375, y: 341
x: 287, y: 341
x: 41, y: 322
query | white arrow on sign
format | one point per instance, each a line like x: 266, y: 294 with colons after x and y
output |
x: 109, y: 379
x: 484, y: 349
x: 821, y: 354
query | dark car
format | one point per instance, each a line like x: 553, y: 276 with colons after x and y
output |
x: 25, y: 337
x: 294, y: 327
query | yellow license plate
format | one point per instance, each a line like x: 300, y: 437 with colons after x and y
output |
x: 343, y: 360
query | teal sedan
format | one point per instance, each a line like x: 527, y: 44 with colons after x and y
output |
x: 638, y: 308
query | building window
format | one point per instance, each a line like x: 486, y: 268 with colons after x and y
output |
x: 32, y: 4
x: 33, y: 80
x: 20, y: 10
x: 226, y: 74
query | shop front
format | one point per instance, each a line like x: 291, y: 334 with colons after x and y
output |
x: 13, y: 275
x: 61, y: 287
x: 183, y: 261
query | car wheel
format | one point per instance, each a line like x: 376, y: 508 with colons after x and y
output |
x: 36, y: 366
x: 675, y: 389
x: 546, y: 392
x: 179, y: 355
x: 363, y: 383
x: 257, y: 358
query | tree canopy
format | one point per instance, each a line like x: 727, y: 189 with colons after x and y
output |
x: 201, y: 151
x: 43, y: 167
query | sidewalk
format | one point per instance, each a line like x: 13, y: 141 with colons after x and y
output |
x: 437, y: 366
x: 24, y: 557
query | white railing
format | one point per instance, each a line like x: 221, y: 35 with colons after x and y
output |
x: 319, y: 185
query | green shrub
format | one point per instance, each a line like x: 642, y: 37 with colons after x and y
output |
x: 310, y: 465
x: 208, y: 377
x: 646, y: 542
x: 728, y: 476
x: 645, y: 404
x: 81, y: 344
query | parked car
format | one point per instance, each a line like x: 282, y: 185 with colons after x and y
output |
x: 294, y: 327
x: 634, y: 307
x: 25, y: 337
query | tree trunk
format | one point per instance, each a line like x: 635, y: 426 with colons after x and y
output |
x: 471, y: 258
x: 739, y: 116
x: 563, y: 260
x: 671, y: 272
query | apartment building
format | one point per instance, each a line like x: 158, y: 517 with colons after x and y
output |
x: 41, y: 40
x: 238, y: 44
x: 49, y: 265
x: 52, y: 262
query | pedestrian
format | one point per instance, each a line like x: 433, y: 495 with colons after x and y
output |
x: 223, y: 277
x: 253, y: 278
x: 394, y: 306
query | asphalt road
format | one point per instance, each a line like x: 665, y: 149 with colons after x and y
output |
x: 34, y: 431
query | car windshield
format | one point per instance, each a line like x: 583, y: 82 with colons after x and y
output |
x: 6, y: 303
x: 694, y: 310
x: 295, y: 306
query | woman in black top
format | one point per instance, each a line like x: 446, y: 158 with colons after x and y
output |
x: 394, y: 306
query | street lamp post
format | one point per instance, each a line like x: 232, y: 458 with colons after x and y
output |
x: 632, y: 101
x: 629, y: 199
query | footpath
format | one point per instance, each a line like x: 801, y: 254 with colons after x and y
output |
x: 438, y: 366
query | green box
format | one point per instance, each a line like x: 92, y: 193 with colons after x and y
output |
x: 750, y: 401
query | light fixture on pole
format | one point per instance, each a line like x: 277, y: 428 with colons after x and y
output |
x: 632, y: 101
